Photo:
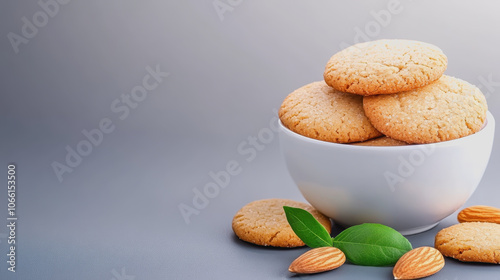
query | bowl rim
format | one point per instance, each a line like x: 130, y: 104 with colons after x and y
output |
x: 488, y: 125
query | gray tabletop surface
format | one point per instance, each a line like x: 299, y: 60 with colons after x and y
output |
x: 117, y: 113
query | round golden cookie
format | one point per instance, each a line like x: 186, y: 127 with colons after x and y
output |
x: 321, y: 112
x: 381, y: 141
x: 446, y: 109
x: 263, y: 222
x: 385, y: 66
x: 470, y: 242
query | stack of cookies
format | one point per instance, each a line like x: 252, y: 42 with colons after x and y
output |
x: 386, y: 93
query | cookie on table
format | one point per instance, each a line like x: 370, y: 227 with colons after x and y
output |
x: 446, y: 109
x: 385, y: 66
x: 470, y: 242
x: 263, y: 222
x: 323, y: 113
x: 381, y: 141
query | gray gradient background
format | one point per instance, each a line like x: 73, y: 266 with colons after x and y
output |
x: 119, y: 208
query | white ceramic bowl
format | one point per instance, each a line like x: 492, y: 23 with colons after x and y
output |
x: 409, y: 188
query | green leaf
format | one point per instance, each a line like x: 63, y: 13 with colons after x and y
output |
x: 307, y: 228
x: 372, y: 244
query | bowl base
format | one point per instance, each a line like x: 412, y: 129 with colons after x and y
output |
x: 417, y: 229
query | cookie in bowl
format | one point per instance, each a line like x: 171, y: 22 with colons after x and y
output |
x: 318, y: 111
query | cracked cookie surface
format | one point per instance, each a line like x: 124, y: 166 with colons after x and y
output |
x: 385, y: 66
x: 446, y: 109
x: 318, y: 111
x: 470, y: 242
x: 263, y: 222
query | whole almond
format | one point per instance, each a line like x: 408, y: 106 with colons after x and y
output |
x: 418, y: 263
x: 318, y: 260
x: 479, y: 213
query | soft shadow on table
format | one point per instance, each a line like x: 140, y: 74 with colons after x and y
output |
x: 336, y: 229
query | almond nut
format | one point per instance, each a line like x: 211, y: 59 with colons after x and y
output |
x: 318, y: 260
x: 479, y: 213
x: 418, y: 263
